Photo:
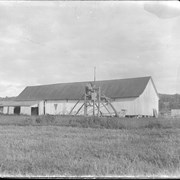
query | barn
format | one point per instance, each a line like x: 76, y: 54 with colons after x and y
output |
x: 129, y: 97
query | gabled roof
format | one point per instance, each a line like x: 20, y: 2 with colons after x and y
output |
x: 117, y: 88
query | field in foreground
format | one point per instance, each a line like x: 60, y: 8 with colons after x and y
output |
x: 74, y: 151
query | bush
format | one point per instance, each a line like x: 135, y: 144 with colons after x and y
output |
x: 153, y: 125
x: 38, y: 120
x: 45, y: 119
x: 90, y: 121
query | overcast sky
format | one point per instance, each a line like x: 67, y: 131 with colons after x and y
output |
x: 53, y: 42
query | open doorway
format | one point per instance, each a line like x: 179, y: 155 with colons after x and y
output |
x: 34, y: 111
x: 17, y: 110
x: 1, y: 109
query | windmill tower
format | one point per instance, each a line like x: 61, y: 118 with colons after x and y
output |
x: 94, y: 97
x: 94, y: 100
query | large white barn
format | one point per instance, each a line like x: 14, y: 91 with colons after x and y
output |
x: 130, y: 97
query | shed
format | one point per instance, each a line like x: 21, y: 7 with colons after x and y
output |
x: 19, y: 107
x: 175, y: 112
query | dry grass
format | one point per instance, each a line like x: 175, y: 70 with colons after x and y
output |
x: 92, y: 122
x: 73, y: 151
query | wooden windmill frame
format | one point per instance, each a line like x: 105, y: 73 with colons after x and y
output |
x: 93, y: 97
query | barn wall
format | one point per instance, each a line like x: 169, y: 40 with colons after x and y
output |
x: 25, y: 110
x: 126, y: 106
x: 142, y: 105
x: 8, y: 110
x: 11, y: 110
x: 5, y: 110
x: 149, y: 100
x: 62, y: 107
x: 41, y: 107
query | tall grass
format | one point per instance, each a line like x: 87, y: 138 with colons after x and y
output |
x: 93, y: 122
x: 67, y: 151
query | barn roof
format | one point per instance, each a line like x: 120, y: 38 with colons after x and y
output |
x: 117, y: 88
x: 17, y: 103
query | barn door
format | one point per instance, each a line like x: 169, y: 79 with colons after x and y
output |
x: 34, y: 111
x: 17, y: 110
x: 1, y: 109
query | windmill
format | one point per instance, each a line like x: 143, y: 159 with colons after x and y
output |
x: 94, y: 100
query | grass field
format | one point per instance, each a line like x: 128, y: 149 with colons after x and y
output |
x: 45, y: 146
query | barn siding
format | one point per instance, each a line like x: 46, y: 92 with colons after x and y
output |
x: 41, y: 107
x: 11, y: 110
x: 128, y: 104
x: 5, y: 110
x: 149, y: 100
x: 25, y: 110
x: 8, y: 110
x: 62, y: 107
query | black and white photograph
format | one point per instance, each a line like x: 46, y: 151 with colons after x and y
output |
x: 90, y: 89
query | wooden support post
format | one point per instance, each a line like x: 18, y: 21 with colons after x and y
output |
x: 74, y: 107
x: 99, y: 110
x: 85, y: 105
x: 44, y: 107
x: 38, y: 109
x: 93, y: 107
x: 117, y: 115
x: 8, y: 110
x: 99, y: 99
x: 93, y: 102
x: 80, y: 108
x: 106, y: 109
x: 108, y: 100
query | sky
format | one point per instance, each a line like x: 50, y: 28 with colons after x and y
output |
x: 62, y: 41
